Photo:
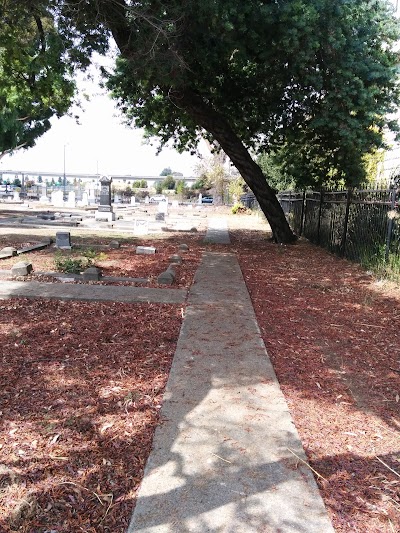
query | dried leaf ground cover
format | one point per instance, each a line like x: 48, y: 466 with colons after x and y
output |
x: 80, y: 391
x: 333, y: 336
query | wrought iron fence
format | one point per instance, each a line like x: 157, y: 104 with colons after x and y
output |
x: 361, y: 225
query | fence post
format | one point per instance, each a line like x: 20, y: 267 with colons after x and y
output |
x: 303, y: 212
x: 390, y: 223
x: 319, y: 216
x: 346, y: 223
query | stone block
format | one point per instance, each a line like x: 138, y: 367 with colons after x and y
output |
x: 92, y: 274
x: 167, y: 277
x: 63, y: 240
x: 8, y: 251
x: 145, y: 250
x: 183, y: 248
x: 23, y: 268
x: 176, y: 259
x: 114, y: 244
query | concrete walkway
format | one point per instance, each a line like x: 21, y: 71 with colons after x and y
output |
x: 221, y: 459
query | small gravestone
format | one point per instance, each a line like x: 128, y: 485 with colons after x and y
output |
x: 57, y: 198
x: 147, y: 200
x: 71, y: 202
x: 114, y: 244
x: 133, y: 200
x: 92, y: 274
x: 176, y: 259
x: 183, y: 248
x: 160, y: 216
x: 147, y: 250
x: 23, y: 268
x: 16, y: 196
x: 167, y: 277
x: 8, y: 251
x: 141, y: 227
x: 63, y: 240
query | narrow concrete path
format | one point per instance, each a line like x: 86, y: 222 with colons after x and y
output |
x: 217, y: 231
x: 87, y: 292
x: 221, y: 459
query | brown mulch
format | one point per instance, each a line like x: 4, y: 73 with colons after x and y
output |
x: 332, y: 333
x: 81, y: 386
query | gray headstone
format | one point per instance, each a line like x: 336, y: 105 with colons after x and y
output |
x: 23, y: 268
x: 176, y: 259
x: 145, y: 250
x: 63, y: 240
x: 167, y: 277
x: 114, y: 244
x: 183, y: 248
x: 160, y: 216
x: 92, y: 274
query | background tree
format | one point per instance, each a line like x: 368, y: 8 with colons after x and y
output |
x: 166, y: 171
x: 169, y: 183
x: 35, y: 74
x: 315, y: 76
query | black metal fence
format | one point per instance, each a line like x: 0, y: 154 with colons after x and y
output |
x: 361, y: 225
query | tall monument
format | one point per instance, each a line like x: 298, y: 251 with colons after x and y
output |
x: 105, y: 210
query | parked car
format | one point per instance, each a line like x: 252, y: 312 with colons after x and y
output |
x: 207, y: 200
x: 157, y: 198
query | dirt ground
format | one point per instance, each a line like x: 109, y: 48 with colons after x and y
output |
x: 81, y: 383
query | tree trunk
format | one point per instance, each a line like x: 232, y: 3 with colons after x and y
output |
x: 206, y: 117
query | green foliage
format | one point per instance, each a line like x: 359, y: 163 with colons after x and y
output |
x: 166, y: 172
x: 70, y: 263
x: 238, y: 208
x: 315, y: 77
x: 168, y: 183
x: 273, y: 169
x: 159, y: 187
x: 181, y: 189
x: 17, y: 182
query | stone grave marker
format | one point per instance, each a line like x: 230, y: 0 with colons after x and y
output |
x: 23, y: 268
x: 71, y: 202
x: 104, y: 210
x: 63, y: 240
x: 148, y: 250
x: 141, y: 226
x: 133, y: 200
x: 57, y: 199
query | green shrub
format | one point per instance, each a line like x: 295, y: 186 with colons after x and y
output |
x: 238, y: 208
x: 69, y: 265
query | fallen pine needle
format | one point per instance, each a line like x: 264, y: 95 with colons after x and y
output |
x: 83, y: 488
x: 309, y: 466
x: 222, y: 459
x: 387, y: 466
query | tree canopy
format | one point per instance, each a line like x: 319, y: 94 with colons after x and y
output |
x: 314, y: 78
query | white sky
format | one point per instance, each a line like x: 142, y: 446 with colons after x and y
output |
x: 100, y: 143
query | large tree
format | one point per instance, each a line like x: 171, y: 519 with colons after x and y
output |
x: 316, y: 75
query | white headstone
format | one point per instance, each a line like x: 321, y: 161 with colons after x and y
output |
x: 200, y: 198
x: 147, y: 200
x: 175, y: 204
x: 85, y: 198
x: 57, y: 198
x: 141, y: 227
x: 133, y: 200
x: 117, y: 199
x: 71, y: 199
x: 16, y: 196
x: 163, y: 207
